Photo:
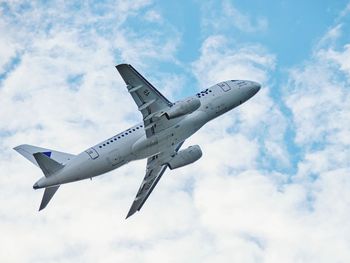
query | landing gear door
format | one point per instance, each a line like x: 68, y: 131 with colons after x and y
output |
x: 224, y: 86
x: 92, y: 153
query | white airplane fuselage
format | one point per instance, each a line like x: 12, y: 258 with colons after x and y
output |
x: 132, y: 144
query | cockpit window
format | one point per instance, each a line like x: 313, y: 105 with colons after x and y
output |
x: 203, y: 93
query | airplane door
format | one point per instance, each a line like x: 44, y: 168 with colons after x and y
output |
x: 224, y: 86
x: 92, y: 153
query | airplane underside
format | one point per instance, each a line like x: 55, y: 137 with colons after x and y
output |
x: 158, y: 139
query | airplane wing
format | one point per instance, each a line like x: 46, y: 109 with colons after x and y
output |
x: 148, y: 99
x: 154, y: 171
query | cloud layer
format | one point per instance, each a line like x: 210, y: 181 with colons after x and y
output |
x: 272, y: 185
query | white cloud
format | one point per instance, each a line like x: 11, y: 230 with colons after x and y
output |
x: 153, y: 16
x: 341, y: 58
x: 7, y: 49
x: 235, y: 204
x: 317, y: 95
x: 218, y: 61
x: 221, y: 15
x: 330, y: 37
x: 261, y: 117
x: 318, y: 98
x: 344, y: 12
x: 41, y: 81
x: 268, y: 216
x: 242, y: 21
x: 40, y: 106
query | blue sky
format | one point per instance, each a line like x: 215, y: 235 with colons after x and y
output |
x: 294, y: 27
x: 272, y: 185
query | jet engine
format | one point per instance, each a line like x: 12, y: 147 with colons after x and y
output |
x: 183, y: 107
x: 185, y: 157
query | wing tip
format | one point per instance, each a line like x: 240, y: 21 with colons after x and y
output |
x: 133, y: 209
x: 19, y: 147
x: 42, y: 204
x: 122, y: 65
x: 131, y: 212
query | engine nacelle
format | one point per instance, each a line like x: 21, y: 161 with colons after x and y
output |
x: 185, y: 157
x: 183, y: 107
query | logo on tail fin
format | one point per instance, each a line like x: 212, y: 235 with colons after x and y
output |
x: 48, y: 154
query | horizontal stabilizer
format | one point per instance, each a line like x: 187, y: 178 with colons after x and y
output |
x: 27, y: 151
x: 47, y: 165
x: 48, y: 194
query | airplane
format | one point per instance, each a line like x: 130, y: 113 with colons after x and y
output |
x: 158, y: 138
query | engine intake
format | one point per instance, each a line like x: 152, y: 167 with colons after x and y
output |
x: 183, y: 107
x: 185, y: 157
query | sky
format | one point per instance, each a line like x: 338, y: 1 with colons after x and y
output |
x: 273, y: 183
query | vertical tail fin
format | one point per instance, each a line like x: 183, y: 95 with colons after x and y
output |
x: 48, y: 194
x: 47, y: 165
x: 49, y: 161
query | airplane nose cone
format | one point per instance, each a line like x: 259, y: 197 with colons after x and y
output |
x: 253, y: 88
x: 35, y: 186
